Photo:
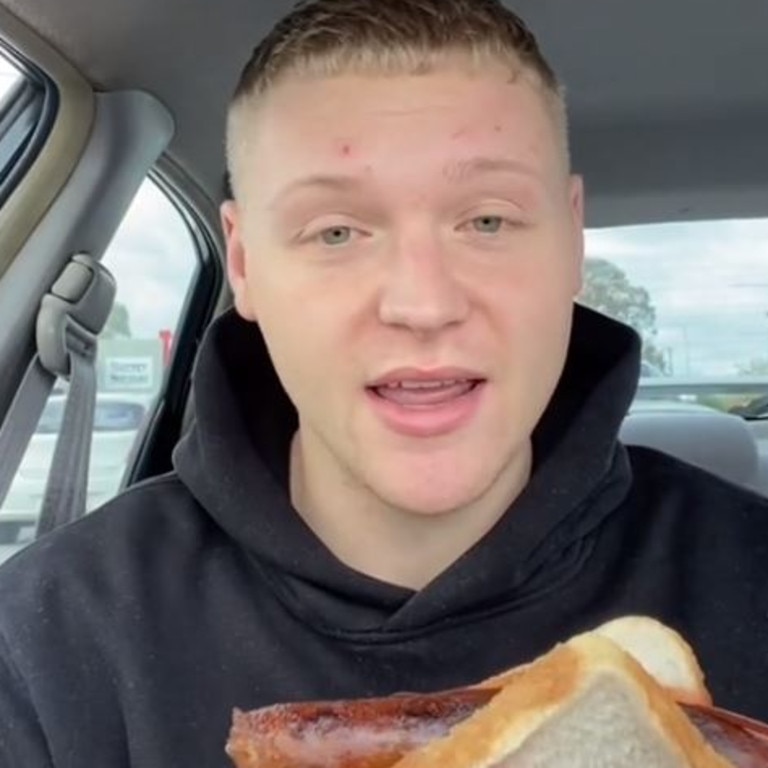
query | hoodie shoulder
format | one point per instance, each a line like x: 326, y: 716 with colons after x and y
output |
x: 654, y: 467
x: 721, y: 522
x: 156, y: 518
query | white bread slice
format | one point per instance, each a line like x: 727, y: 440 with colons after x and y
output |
x: 586, y: 704
x: 661, y: 651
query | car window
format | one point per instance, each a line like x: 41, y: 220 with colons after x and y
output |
x: 28, y: 106
x: 697, y: 292
x: 9, y: 76
x: 115, y: 415
x: 155, y: 260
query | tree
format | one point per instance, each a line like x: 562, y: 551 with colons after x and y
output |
x: 757, y: 366
x: 118, y: 325
x: 607, y: 289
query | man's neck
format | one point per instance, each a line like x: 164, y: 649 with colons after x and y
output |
x: 387, y: 543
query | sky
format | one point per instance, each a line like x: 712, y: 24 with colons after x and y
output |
x: 153, y: 259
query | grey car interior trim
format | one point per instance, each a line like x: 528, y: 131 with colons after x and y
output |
x: 130, y: 131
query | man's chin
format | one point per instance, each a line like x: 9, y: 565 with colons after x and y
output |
x: 430, y: 496
x: 446, y: 483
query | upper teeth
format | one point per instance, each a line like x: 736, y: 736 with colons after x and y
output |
x: 424, y: 384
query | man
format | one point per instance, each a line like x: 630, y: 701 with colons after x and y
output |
x: 404, y: 472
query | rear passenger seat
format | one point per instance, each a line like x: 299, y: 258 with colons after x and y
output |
x: 718, y: 442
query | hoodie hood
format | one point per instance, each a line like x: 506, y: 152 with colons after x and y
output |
x: 235, y: 458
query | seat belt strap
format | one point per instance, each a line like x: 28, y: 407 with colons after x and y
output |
x: 67, y: 488
x: 70, y: 318
x: 21, y: 420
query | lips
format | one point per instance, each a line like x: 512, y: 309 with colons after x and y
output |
x: 424, y: 394
x: 427, y: 403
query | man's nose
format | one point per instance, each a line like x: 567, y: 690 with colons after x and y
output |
x: 421, y: 289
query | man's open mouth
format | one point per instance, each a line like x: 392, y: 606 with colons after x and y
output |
x: 424, y: 394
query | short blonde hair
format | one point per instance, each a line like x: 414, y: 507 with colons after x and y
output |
x: 381, y: 37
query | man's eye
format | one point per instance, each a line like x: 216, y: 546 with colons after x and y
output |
x: 488, y: 225
x: 336, y: 235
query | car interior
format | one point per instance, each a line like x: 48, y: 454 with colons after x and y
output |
x: 112, y: 155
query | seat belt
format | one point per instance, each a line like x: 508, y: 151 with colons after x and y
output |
x: 69, y: 320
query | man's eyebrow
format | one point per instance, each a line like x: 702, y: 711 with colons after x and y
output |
x: 327, y: 182
x: 458, y: 171
x: 475, y: 166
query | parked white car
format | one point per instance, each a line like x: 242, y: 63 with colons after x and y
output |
x: 118, y: 420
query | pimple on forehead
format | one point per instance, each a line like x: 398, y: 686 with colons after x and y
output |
x: 344, y: 148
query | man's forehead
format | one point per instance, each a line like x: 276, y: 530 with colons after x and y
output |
x: 318, y: 124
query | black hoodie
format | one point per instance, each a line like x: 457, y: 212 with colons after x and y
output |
x: 127, y: 638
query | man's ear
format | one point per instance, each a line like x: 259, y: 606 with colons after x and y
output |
x: 576, y: 201
x: 236, y: 255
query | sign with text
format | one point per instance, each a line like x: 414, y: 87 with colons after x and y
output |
x: 128, y: 373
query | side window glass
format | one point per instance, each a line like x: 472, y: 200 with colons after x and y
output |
x: 697, y: 292
x: 27, y: 110
x: 155, y: 260
x: 9, y: 78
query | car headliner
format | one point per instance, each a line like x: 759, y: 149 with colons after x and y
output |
x: 668, y: 98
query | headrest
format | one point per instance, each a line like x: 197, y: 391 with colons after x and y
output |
x: 717, y: 442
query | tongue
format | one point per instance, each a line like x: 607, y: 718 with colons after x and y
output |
x: 425, y: 396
